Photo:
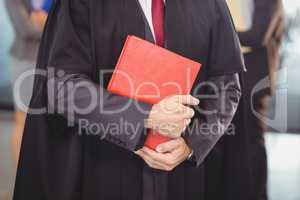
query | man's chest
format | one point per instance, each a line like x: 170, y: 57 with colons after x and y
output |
x: 187, y: 30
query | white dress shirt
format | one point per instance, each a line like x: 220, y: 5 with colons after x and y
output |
x: 147, y: 8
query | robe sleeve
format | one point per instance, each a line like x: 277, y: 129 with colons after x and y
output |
x: 72, y: 91
x: 206, y: 130
x: 225, y: 62
x: 225, y: 55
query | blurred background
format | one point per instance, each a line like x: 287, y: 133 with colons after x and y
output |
x: 282, y: 135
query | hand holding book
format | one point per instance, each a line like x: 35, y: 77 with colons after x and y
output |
x: 172, y: 115
x: 151, y: 74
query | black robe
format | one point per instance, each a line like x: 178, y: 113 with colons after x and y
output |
x: 84, y: 36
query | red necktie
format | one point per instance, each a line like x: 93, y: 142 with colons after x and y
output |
x: 158, y: 20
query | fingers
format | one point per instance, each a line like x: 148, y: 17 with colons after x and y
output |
x: 175, y: 153
x: 177, y: 109
x: 179, y: 117
x: 151, y: 162
x: 166, y: 161
x: 168, y: 146
x: 186, y: 100
x: 173, y: 129
x: 170, y: 117
x: 155, y: 156
x: 182, y: 111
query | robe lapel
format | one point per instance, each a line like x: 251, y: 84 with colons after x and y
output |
x: 133, y: 19
x: 175, y: 29
x: 148, y: 33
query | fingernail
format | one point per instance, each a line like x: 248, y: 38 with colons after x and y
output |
x: 197, y: 101
x: 192, y: 112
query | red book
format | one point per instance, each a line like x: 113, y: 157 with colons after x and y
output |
x: 149, y: 73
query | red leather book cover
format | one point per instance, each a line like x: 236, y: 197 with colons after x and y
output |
x: 149, y: 73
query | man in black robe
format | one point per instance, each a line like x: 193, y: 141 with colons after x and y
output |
x: 83, y: 37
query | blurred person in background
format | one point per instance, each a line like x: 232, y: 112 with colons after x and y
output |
x: 260, y: 27
x: 28, y: 21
